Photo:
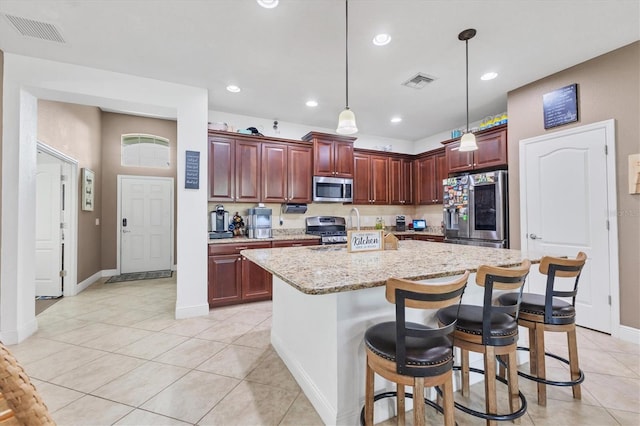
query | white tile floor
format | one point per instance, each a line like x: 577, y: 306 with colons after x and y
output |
x: 114, y: 355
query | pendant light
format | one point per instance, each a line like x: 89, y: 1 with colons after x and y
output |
x: 347, y: 119
x: 468, y: 140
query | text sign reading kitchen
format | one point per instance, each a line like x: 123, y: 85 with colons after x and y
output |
x: 364, y: 241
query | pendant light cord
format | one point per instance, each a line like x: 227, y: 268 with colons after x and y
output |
x: 346, y: 45
x: 466, y: 43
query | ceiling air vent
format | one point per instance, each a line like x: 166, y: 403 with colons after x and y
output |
x: 418, y: 81
x: 37, y: 29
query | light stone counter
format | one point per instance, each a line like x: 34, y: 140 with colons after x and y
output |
x: 331, y: 269
x: 325, y: 298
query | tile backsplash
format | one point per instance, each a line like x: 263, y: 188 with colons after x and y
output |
x: 368, y: 214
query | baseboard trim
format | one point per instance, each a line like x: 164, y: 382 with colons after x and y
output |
x: 629, y: 334
x: 183, y: 312
x: 87, y: 282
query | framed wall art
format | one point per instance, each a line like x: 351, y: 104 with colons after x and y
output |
x: 88, y: 189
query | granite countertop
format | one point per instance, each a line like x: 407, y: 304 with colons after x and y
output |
x: 331, y: 269
x: 282, y: 237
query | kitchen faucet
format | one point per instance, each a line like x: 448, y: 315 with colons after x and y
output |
x: 354, y: 209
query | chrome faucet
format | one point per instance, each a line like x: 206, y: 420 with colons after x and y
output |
x: 354, y: 209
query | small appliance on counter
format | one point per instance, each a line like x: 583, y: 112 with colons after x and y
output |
x: 259, y: 223
x: 419, y: 225
x: 219, y: 223
x: 401, y: 224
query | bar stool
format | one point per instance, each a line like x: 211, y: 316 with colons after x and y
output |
x: 412, y: 354
x: 540, y: 313
x: 491, y: 330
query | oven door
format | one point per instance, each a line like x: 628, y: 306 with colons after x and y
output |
x: 488, y: 207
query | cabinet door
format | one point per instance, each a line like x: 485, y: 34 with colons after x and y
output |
x: 224, y: 282
x: 396, y: 174
x: 407, y: 181
x: 458, y: 161
x: 221, y: 169
x: 274, y: 173
x: 343, y: 159
x: 256, y: 282
x: 492, y: 150
x: 379, y: 179
x: 323, y: 158
x: 425, y: 175
x: 248, y: 171
x: 441, y: 174
x: 361, y: 166
x: 299, y: 174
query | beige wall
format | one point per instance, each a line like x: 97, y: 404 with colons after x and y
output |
x: 75, y: 130
x: 609, y: 87
x: 113, y: 127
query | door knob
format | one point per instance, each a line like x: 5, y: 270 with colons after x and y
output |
x: 534, y: 237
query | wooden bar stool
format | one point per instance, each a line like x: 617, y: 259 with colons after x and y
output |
x: 412, y: 354
x: 491, y: 330
x: 546, y: 312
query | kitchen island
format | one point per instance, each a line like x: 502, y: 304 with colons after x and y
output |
x: 324, y: 298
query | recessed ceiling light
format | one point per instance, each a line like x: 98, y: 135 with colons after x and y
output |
x: 489, y: 76
x: 233, y: 88
x: 381, y: 39
x: 396, y: 119
x: 268, y: 4
x: 312, y: 103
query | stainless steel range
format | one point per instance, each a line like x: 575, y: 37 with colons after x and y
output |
x: 331, y: 229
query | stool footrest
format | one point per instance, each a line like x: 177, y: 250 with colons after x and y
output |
x: 488, y: 416
x: 579, y: 380
x: 393, y: 394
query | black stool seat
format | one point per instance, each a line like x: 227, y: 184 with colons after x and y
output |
x: 534, y: 304
x: 470, y: 321
x: 381, y: 340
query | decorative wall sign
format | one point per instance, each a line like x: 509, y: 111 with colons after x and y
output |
x: 364, y: 241
x: 560, y: 106
x: 192, y: 170
x: 88, y: 189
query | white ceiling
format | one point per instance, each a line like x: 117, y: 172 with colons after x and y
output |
x: 281, y: 57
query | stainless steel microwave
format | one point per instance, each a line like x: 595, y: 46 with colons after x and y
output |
x: 331, y: 189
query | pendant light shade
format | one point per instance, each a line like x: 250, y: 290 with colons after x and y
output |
x: 346, y: 119
x: 468, y: 140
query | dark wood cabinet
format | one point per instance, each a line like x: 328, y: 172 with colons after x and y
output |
x: 400, y: 181
x: 371, y: 179
x: 295, y: 243
x: 430, y: 171
x: 332, y: 154
x: 491, y: 153
x: 232, y: 278
x: 221, y: 169
x: 419, y: 237
x: 234, y: 170
x: 286, y: 173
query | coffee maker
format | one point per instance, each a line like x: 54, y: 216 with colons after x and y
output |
x: 400, y: 223
x: 219, y: 223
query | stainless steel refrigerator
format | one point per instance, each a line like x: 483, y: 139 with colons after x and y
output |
x: 476, y: 209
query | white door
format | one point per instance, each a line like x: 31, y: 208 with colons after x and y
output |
x: 48, y: 259
x: 146, y: 224
x: 564, y: 210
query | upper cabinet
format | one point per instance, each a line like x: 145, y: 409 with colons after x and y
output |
x: 252, y: 169
x: 430, y: 170
x: 332, y: 154
x: 491, y: 153
x: 400, y: 180
x: 286, y: 176
x: 371, y: 179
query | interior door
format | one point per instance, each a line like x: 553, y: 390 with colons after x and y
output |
x: 146, y: 226
x: 564, y: 211
x: 48, y: 258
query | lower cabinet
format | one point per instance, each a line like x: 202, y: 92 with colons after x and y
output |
x: 233, y: 279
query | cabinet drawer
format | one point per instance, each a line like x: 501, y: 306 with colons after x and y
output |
x: 236, y: 248
x: 296, y: 243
